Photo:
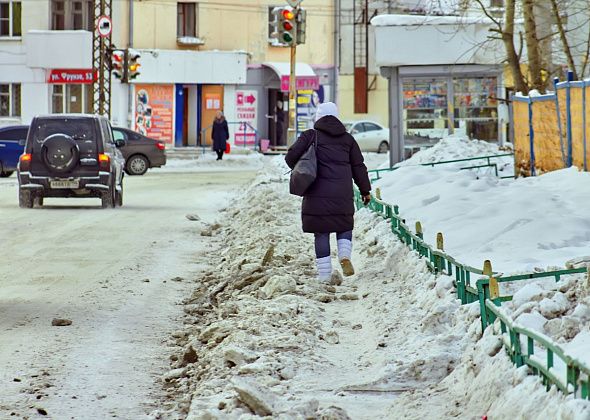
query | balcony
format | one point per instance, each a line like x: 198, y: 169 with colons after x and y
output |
x: 59, y: 49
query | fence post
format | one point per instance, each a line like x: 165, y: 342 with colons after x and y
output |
x: 531, y: 138
x: 559, y: 125
x: 494, y: 288
x: 419, y: 233
x: 584, y: 122
x: 440, y: 245
x: 568, y: 116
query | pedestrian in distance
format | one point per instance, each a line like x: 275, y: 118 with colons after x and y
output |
x: 220, y: 134
x: 328, y: 203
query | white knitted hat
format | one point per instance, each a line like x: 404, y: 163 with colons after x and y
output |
x: 325, y: 109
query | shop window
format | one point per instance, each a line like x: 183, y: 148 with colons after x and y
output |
x: 10, y: 100
x: 476, y: 107
x: 187, y: 20
x: 71, y: 99
x: 72, y: 14
x: 425, y: 108
x: 10, y: 18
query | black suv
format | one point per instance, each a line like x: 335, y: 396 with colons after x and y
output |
x: 71, y: 156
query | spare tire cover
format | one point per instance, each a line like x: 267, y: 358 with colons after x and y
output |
x: 60, y: 152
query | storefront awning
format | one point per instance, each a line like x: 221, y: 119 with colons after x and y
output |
x: 305, y: 77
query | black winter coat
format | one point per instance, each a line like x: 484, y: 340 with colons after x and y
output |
x: 328, y: 204
x: 220, y: 134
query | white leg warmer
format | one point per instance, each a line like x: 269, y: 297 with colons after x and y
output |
x: 344, y: 248
x: 324, y: 268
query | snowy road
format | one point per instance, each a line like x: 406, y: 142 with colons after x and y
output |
x: 117, y: 274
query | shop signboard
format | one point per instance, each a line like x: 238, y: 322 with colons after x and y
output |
x: 154, y: 110
x: 71, y: 76
x: 302, y: 83
x: 246, y: 114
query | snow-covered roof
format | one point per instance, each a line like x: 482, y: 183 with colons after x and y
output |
x: 413, y: 20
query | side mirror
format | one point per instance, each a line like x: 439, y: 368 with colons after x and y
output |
x: 120, y: 143
x: 22, y: 142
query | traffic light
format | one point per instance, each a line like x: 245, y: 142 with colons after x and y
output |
x: 274, y: 23
x: 287, y: 26
x: 301, y: 24
x: 118, y: 64
x: 133, y: 64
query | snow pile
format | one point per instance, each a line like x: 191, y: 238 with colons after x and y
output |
x: 208, y: 163
x: 456, y: 147
x: 264, y: 338
x: 529, y: 223
x: 559, y: 310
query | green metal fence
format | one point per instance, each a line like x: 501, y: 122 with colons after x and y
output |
x: 573, y: 376
x: 375, y: 174
x: 485, y: 289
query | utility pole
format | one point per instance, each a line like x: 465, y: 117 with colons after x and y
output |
x: 101, y: 57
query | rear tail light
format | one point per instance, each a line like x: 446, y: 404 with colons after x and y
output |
x: 160, y: 145
x: 25, y: 162
x: 104, y: 162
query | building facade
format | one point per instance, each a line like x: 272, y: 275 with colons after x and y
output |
x: 197, y: 58
x: 45, y: 58
x: 207, y: 56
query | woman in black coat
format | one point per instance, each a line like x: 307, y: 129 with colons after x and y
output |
x: 328, y: 204
x: 220, y: 134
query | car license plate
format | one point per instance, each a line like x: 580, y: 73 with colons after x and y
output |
x: 65, y: 184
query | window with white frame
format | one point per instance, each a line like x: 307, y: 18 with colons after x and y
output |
x: 186, y: 20
x: 10, y: 18
x: 71, y: 99
x: 72, y: 14
x: 9, y: 100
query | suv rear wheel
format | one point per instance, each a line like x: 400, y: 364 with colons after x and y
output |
x: 25, y: 199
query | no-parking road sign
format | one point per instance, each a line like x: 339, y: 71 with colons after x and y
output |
x: 104, y: 26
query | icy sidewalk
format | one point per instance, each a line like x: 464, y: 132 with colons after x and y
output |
x: 263, y: 338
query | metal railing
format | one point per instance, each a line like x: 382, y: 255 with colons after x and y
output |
x: 572, y: 377
x: 488, y: 159
x: 486, y: 291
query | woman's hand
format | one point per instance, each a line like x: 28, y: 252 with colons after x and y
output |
x: 366, y: 199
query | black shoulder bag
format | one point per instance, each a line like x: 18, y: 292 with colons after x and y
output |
x: 305, y: 171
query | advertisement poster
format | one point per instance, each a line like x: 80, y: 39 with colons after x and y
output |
x: 246, y: 110
x: 154, y: 111
x: 307, y: 103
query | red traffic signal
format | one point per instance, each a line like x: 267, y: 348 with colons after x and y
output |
x: 117, y: 63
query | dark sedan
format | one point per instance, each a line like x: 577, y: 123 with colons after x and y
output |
x: 140, y: 152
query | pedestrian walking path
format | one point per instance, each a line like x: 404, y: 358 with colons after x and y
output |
x: 263, y: 336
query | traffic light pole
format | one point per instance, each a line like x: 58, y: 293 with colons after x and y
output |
x: 293, y: 97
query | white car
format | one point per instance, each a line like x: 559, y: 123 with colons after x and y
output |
x: 370, y: 136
